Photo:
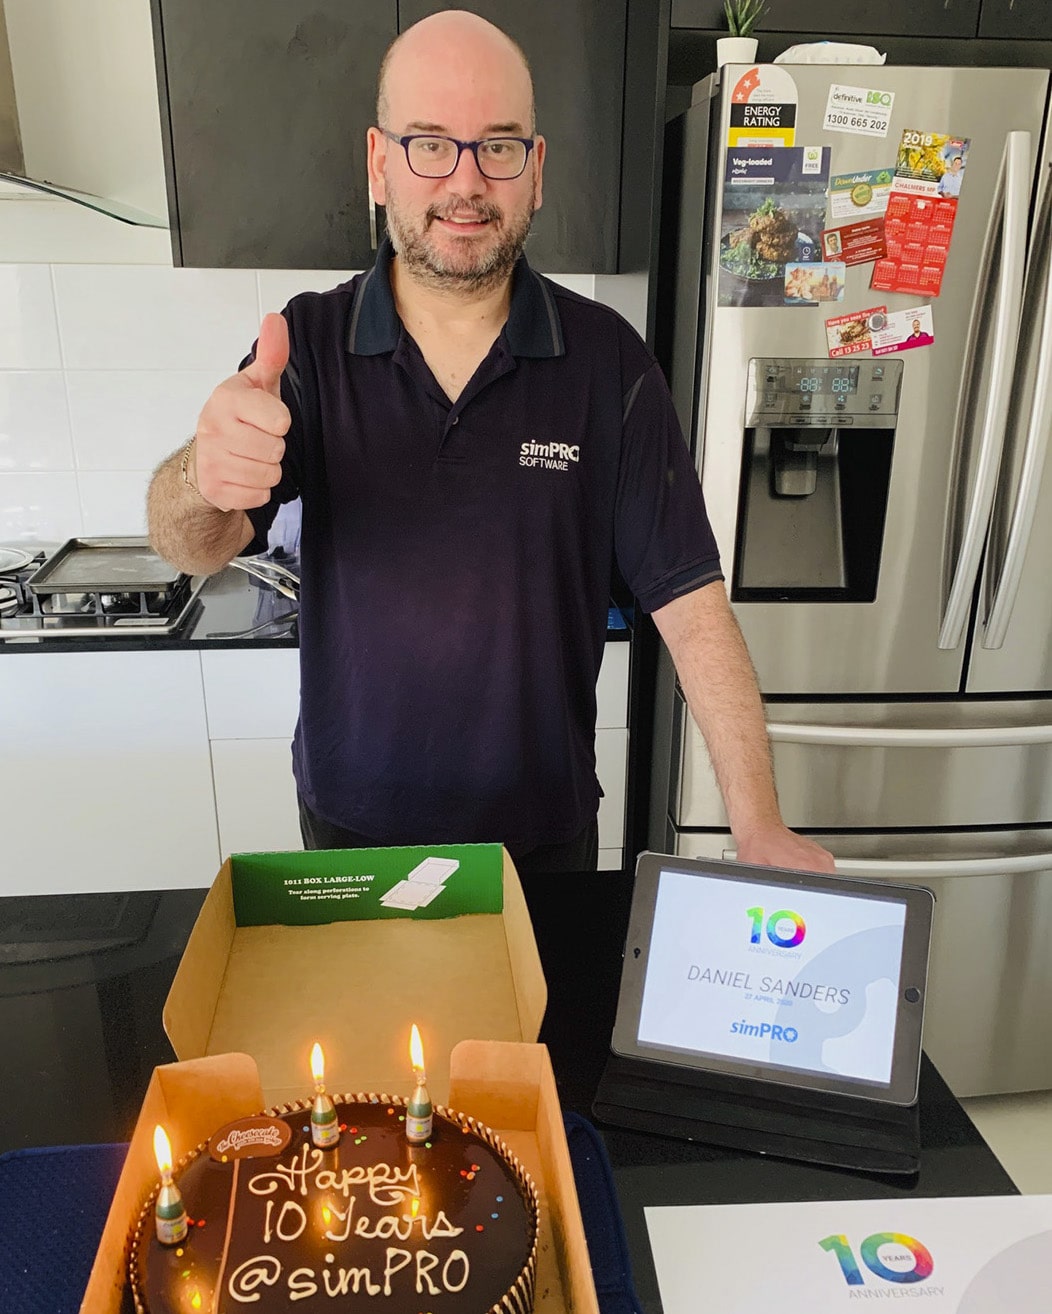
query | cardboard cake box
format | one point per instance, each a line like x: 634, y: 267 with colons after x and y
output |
x: 327, y: 946
x: 332, y: 946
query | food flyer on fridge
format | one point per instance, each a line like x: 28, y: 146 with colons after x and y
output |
x: 774, y: 206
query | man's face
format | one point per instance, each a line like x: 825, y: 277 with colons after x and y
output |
x: 955, y: 164
x: 465, y: 231
x: 916, y: 326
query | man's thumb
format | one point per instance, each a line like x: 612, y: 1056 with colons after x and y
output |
x: 272, y: 354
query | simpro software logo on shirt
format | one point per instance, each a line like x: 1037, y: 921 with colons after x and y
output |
x: 549, y: 456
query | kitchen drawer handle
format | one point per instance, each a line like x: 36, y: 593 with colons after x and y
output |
x: 929, y: 868
x: 862, y: 736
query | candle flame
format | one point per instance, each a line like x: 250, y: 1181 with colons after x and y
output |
x: 415, y: 1207
x: 416, y: 1049
x: 326, y: 1215
x: 162, y: 1150
x: 195, y: 1300
x: 317, y: 1063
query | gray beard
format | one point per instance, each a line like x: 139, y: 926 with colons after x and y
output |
x: 429, y: 268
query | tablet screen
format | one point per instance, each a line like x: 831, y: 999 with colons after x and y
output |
x: 767, y: 973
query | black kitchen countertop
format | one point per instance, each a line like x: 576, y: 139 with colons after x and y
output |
x: 83, y: 978
x: 233, y: 610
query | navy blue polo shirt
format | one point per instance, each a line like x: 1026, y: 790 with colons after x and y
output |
x: 456, y: 557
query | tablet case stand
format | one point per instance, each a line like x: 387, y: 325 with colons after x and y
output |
x: 815, y: 1126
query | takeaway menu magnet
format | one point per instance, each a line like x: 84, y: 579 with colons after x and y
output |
x: 774, y: 206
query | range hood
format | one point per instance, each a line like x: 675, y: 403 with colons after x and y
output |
x: 127, y: 214
x: 79, y: 118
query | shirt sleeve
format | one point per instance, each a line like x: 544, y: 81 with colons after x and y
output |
x: 663, y: 541
x: 288, y: 487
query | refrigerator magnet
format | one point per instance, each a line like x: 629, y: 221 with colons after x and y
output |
x: 904, y: 330
x: 861, y: 110
x: 807, y: 284
x: 861, y: 194
x: 852, y: 334
x: 854, y: 244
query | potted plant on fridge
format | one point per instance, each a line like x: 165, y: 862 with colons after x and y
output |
x: 742, y: 17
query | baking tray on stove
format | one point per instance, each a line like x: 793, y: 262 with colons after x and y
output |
x: 104, y: 565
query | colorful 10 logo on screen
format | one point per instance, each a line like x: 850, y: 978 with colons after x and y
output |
x: 908, y: 1246
x: 775, y: 927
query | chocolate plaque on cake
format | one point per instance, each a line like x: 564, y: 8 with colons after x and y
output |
x: 250, y: 1138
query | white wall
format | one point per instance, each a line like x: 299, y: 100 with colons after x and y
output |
x: 104, y: 367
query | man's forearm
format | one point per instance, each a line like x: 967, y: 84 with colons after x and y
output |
x: 187, y: 530
x: 717, y: 678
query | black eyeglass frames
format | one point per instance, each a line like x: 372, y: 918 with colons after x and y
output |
x: 498, y: 158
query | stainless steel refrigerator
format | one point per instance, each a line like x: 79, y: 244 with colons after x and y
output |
x: 885, y: 523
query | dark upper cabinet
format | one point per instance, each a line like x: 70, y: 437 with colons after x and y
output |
x: 265, y: 104
x: 850, y: 19
x: 1025, y: 20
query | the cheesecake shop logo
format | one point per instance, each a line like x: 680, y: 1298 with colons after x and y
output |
x: 891, y: 1257
x: 785, y: 929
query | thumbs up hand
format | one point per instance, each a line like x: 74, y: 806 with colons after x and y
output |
x: 240, y: 437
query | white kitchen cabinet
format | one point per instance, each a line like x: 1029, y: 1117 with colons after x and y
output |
x: 255, y: 795
x: 251, y: 693
x: 252, y: 698
x: 105, y: 774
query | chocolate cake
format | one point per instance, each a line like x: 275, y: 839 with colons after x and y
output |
x: 372, y: 1224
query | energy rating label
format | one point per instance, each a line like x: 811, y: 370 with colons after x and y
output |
x: 963, y: 1255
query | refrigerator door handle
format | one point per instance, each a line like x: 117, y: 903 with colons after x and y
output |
x: 1011, y: 198
x: 931, y: 868
x: 864, y: 736
x: 1034, y: 453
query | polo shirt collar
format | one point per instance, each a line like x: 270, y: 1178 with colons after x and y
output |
x: 533, y: 327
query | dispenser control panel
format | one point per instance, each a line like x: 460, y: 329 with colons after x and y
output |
x: 787, y: 393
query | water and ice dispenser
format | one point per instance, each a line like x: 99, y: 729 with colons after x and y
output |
x: 816, y: 466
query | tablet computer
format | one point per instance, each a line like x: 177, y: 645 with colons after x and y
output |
x: 807, y: 981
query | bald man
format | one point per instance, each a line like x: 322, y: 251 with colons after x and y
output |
x: 473, y: 446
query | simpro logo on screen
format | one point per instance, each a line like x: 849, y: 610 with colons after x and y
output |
x: 764, y: 1029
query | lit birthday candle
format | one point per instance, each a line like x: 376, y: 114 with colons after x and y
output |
x: 324, y: 1128
x: 169, y: 1213
x: 418, y: 1110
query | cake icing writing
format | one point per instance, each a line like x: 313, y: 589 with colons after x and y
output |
x: 374, y: 1221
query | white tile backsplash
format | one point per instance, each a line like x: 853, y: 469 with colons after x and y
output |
x: 132, y: 419
x: 277, y: 287
x: 105, y: 367
x: 34, y: 421
x: 113, y: 502
x: 142, y: 317
x: 28, y: 327
x: 39, y: 508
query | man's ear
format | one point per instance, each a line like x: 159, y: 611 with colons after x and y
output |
x: 376, y: 149
x: 538, y: 169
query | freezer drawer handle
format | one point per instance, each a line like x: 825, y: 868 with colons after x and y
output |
x: 1013, y: 194
x: 929, y: 868
x: 864, y: 736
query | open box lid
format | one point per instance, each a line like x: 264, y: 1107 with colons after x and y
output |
x: 293, y: 948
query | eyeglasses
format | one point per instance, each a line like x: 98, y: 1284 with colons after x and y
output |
x: 498, y: 158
